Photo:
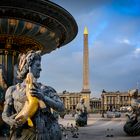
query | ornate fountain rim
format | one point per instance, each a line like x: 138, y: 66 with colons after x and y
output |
x: 60, y: 25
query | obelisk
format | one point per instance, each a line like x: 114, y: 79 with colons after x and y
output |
x: 85, y: 63
x: 85, y: 90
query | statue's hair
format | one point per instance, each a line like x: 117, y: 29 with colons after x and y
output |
x: 26, y: 61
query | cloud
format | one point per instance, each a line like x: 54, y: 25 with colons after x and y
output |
x: 114, y: 68
x: 126, y: 41
x: 137, y: 52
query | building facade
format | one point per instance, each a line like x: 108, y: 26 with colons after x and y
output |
x: 71, y: 99
x: 95, y: 105
x: 115, y: 100
x: 109, y: 101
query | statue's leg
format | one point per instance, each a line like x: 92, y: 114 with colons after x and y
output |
x: 26, y: 134
x: 55, y: 131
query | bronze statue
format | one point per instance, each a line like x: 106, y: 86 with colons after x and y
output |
x: 132, y: 126
x: 38, y: 122
x: 81, y: 114
x: 32, y: 103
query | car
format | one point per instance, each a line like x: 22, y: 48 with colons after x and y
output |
x: 126, y: 109
x: 111, y: 114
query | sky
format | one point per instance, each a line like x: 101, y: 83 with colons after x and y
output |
x: 114, y: 48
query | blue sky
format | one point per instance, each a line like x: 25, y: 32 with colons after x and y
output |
x: 114, y: 47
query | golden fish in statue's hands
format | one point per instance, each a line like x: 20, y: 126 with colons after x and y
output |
x: 31, y: 105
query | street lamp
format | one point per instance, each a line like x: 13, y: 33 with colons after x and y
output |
x: 67, y: 103
x: 102, y: 104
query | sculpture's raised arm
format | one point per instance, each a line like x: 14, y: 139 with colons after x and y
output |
x: 49, y: 96
x: 54, y: 101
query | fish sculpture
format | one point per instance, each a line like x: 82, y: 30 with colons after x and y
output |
x: 31, y: 105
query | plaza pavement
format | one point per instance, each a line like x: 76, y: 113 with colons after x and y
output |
x: 99, y: 128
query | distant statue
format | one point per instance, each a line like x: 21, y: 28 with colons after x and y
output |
x: 28, y: 104
x: 81, y: 113
x: 132, y: 126
x: 103, y: 91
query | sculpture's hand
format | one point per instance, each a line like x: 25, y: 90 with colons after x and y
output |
x: 36, y: 93
x: 13, y: 122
